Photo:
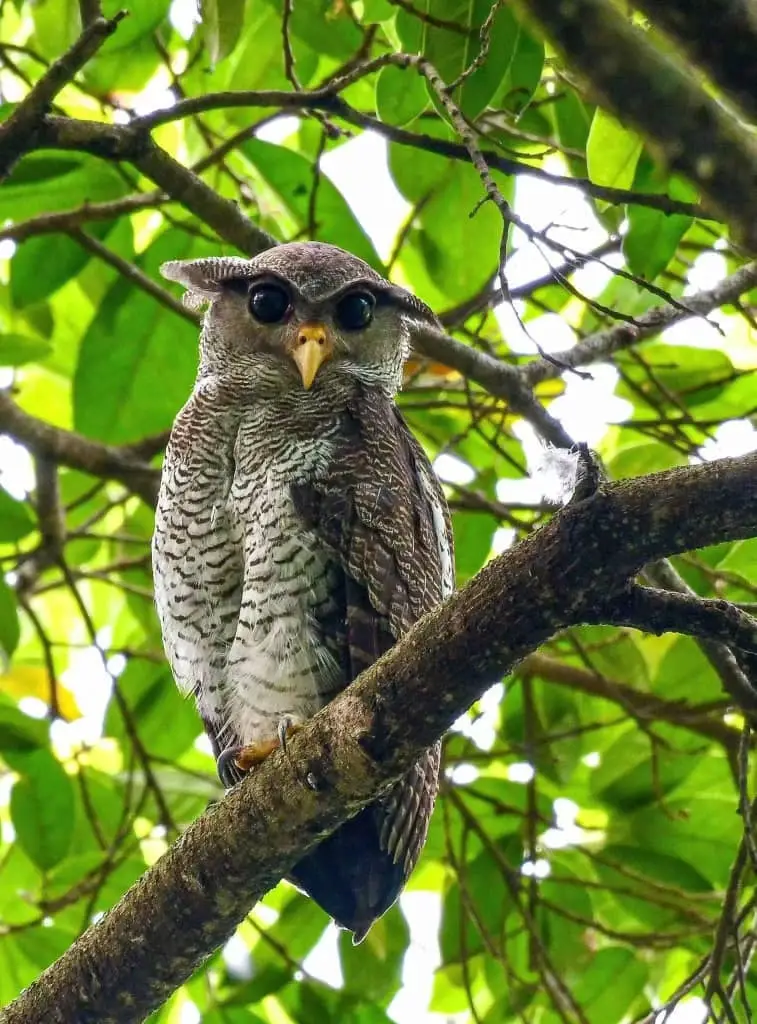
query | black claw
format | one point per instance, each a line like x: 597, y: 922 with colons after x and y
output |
x: 283, y: 726
x: 228, y: 771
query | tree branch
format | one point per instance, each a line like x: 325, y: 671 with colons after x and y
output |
x: 690, y: 131
x: 18, y: 132
x: 568, y: 572
x: 663, y: 611
x: 599, y: 346
x: 70, y: 449
x: 719, y: 36
x: 495, y: 377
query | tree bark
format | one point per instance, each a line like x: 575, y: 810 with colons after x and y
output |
x: 573, y: 570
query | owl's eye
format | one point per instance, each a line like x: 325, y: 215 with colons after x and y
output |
x: 269, y: 303
x: 355, y: 311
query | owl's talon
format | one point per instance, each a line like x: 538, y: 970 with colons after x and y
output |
x: 285, y: 729
x: 228, y: 770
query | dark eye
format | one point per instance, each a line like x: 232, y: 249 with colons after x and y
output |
x: 355, y: 311
x: 268, y: 303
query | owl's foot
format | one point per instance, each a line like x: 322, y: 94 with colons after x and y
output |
x: 234, y: 762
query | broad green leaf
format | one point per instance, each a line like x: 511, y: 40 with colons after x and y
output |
x: 20, y: 734
x: 42, y: 806
x: 652, y: 240
x: 473, y: 540
x: 452, y: 52
x: 632, y: 774
x: 53, y: 181
x: 9, y: 624
x: 454, y: 221
x: 62, y: 257
x: 573, y: 120
x: 16, y: 520
x: 612, y: 980
x: 17, y: 349
x: 401, y: 95
x: 373, y: 970
x: 153, y: 700
x: 289, y: 175
x: 612, y: 151
x: 327, y: 27
x: 484, y: 905
x: 299, y: 926
x: 692, y: 375
x: 222, y: 22
x: 145, y: 351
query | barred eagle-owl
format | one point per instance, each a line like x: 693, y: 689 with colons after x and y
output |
x: 300, y: 531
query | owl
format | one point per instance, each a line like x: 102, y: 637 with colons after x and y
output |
x: 300, y: 531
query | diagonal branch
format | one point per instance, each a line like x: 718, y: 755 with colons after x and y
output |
x: 189, y: 903
x: 600, y: 346
x: 650, y: 92
x: 719, y: 36
x: 18, y: 132
x: 70, y: 449
x: 664, y: 611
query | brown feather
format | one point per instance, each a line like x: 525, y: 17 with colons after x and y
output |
x: 372, y: 510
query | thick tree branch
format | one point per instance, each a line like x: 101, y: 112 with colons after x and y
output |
x: 564, y: 574
x: 689, y: 130
x: 719, y: 36
x: 18, y: 133
x: 662, y: 574
x: 663, y: 611
x: 495, y: 377
x: 70, y: 449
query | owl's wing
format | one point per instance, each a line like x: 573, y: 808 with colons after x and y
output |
x: 197, y: 563
x: 381, y: 510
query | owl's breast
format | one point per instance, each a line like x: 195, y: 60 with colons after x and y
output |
x: 282, y: 663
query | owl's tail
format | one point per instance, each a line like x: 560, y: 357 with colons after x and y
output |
x: 350, y: 876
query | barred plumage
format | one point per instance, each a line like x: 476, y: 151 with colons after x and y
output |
x: 300, y: 530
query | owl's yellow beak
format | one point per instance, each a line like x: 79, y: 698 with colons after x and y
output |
x: 311, y: 349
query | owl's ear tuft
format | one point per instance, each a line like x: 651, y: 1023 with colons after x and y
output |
x: 205, y: 279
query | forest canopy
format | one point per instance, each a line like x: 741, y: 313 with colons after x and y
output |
x: 570, y: 187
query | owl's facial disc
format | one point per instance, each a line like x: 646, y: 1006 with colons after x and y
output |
x: 313, y: 345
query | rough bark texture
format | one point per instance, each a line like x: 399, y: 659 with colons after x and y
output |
x: 685, y: 127
x: 571, y: 571
x: 719, y: 36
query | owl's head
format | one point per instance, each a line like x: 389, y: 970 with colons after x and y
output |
x: 302, y: 315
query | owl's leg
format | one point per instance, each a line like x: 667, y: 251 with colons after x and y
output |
x: 234, y: 762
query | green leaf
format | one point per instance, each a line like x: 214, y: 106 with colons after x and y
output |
x: 59, y: 181
x: 10, y: 629
x: 289, y: 175
x: 153, y: 700
x: 633, y: 775
x: 325, y: 26
x: 17, y: 349
x: 612, y: 151
x: 42, y: 809
x: 453, y: 221
x: 692, y: 374
x: 611, y: 980
x: 373, y: 970
x: 400, y: 95
x: 20, y: 734
x: 474, y: 532
x: 222, y: 22
x: 451, y: 52
x: 62, y: 258
x: 483, y: 906
x: 16, y: 520
x: 146, y: 353
x: 652, y: 240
